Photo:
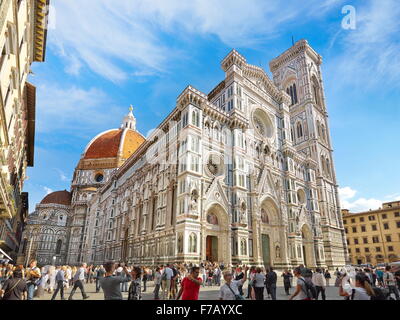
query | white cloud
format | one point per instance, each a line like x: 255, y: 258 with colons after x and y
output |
x: 63, y: 177
x: 371, y: 52
x: 73, y: 111
x: 47, y: 190
x: 347, y: 201
x: 114, y: 38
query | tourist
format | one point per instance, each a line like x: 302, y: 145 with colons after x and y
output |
x: 327, y: 277
x: 79, y: 279
x: 190, y: 285
x: 110, y: 283
x: 68, y: 275
x: 238, y: 276
x: 287, y: 281
x: 270, y: 282
x: 203, y: 272
x: 379, y: 277
x: 134, y: 292
x: 390, y: 283
x: 318, y: 280
x: 157, y: 283
x: 250, y: 289
x: 258, y: 284
x: 229, y: 290
x: 338, y: 278
x: 15, y: 287
x: 144, y: 278
x: 100, y: 273
x: 33, y: 276
x: 301, y: 292
x: 361, y: 291
x: 60, y: 279
x: 166, y: 281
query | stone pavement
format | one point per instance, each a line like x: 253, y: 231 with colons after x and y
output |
x: 206, y: 293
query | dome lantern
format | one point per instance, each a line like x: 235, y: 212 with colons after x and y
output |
x: 129, y: 121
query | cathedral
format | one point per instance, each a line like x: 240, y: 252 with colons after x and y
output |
x: 243, y: 174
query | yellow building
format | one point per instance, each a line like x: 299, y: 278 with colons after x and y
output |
x: 373, y: 236
x: 23, y: 32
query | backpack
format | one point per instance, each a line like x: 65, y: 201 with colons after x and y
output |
x: 310, y: 290
x: 164, y: 276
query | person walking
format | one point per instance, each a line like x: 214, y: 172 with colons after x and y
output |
x: 229, y: 290
x: 258, y: 284
x: 318, y: 280
x: 33, y: 275
x: 287, y: 281
x: 190, y: 285
x: 390, y: 283
x: 251, y: 275
x: 239, y: 275
x: 110, y: 283
x: 134, y: 291
x: 79, y: 279
x: 270, y: 282
x: 60, y: 280
x: 144, y: 279
x: 157, y: 283
x: 166, y: 281
x: 327, y: 276
x: 15, y: 287
x: 301, y: 292
x: 100, y: 273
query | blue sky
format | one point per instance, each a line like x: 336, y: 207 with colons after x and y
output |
x: 104, y: 55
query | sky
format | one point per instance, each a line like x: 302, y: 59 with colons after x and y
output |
x: 103, y: 55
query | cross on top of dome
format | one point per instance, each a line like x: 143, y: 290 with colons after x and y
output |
x: 129, y: 120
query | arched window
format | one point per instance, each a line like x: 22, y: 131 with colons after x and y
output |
x: 292, y: 92
x: 58, y: 247
x: 316, y: 90
x: 195, y: 118
x: 299, y: 130
x: 243, y: 247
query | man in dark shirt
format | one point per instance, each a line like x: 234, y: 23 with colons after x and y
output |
x: 270, y: 282
x: 15, y: 288
x: 60, y: 282
x: 99, y: 275
x: 111, y: 284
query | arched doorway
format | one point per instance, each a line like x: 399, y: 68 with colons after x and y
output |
x: 215, y: 240
x: 307, y: 246
x: 270, y: 231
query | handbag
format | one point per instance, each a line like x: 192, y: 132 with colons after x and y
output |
x: 237, y: 296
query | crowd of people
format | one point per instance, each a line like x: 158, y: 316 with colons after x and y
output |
x: 184, y: 281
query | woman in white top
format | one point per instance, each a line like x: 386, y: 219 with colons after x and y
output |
x: 361, y: 291
x: 229, y: 290
x: 301, y: 288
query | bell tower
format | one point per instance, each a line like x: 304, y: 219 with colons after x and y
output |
x: 297, y: 71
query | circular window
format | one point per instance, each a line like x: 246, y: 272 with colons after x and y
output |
x: 99, y: 177
x: 301, y: 196
x: 263, y: 124
x: 215, y: 165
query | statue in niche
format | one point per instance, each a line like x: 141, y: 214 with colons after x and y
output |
x: 277, y: 252
x: 243, y: 218
x: 193, y: 200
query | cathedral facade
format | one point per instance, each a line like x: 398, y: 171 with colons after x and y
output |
x: 243, y: 174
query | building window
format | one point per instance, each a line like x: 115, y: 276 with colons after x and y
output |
x: 355, y: 241
x: 384, y: 216
x: 398, y: 224
x: 388, y: 238
x: 390, y: 248
x: 378, y: 249
x: 299, y: 130
x: 365, y: 240
x: 292, y: 92
x: 362, y: 219
x: 375, y: 239
x: 353, y: 220
x: 371, y: 218
x: 366, y: 249
x: 374, y: 228
x: 358, y: 250
x: 345, y: 230
x: 386, y: 226
x: 397, y: 214
x: 193, y: 243
x: 354, y: 229
x: 363, y: 229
